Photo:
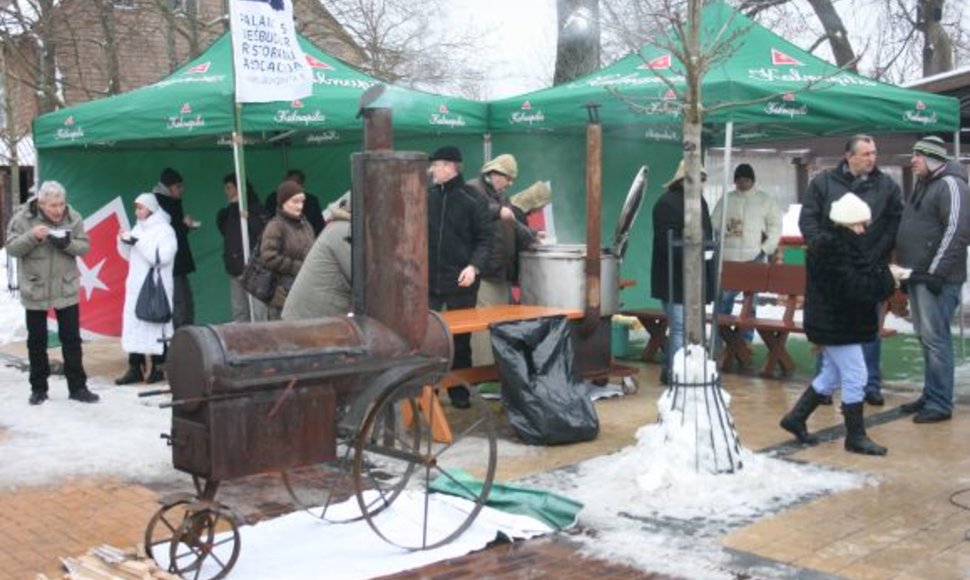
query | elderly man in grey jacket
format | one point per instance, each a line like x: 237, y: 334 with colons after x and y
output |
x: 322, y: 287
x: 48, y: 237
x: 932, y: 242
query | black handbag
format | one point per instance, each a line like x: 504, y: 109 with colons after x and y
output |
x: 257, y: 279
x: 152, y: 304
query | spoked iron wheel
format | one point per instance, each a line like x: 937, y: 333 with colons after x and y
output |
x: 319, y: 488
x: 398, y: 455
x: 206, y: 544
x: 182, y: 538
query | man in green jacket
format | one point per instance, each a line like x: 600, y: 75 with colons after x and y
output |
x: 47, y: 237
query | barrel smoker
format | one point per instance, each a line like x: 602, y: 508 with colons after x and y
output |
x: 349, y: 394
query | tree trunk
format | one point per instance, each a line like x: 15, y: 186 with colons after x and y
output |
x: 834, y: 32
x: 106, y: 16
x: 578, y: 45
x: 693, y: 187
x: 937, y: 47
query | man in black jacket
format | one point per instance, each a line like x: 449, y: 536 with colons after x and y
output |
x: 932, y: 242
x: 459, y: 242
x: 169, y: 191
x: 858, y: 173
x: 230, y: 226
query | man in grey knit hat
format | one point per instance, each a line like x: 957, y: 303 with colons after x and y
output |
x: 932, y: 241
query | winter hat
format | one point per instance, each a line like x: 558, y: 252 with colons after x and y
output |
x: 170, y: 177
x: 149, y: 201
x: 533, y: 197
x: 849, y: 210
x: 681, y: 173
x: 286, y: 190
x: 338, y: 210
x: 744, y: 170
x: 932, y: 147
x: 447, y: 153
x: 504, y: 164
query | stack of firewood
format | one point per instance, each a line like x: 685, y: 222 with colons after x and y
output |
x: 110, y: 563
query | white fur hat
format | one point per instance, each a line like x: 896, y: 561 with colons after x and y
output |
x: 149, y: 201
x: 849, y: 210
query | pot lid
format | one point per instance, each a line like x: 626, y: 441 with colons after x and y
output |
x: 631, y: 207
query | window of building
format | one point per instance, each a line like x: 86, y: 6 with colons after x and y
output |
x: 185, y: 6
x: 125, y: 3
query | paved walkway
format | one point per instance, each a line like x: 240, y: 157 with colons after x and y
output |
x: 903, y: 527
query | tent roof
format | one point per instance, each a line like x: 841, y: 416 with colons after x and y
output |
x: 768, y: 87
x: 194, y: 107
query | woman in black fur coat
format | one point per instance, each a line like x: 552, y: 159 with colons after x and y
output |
x: 844, y: 287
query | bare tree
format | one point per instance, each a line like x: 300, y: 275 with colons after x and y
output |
x: 401, y: 43
x: 578, y: 44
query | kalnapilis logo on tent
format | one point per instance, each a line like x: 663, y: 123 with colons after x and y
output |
x: 526, y: 116
x: 786, y: 107
x: 328, y: 136
x: 200, y: 69
x: 778, y: 58
x: 444, y: 117
x: 919, y: 115
x: 70, y: 131
x: 185, y: 120
x: 659, y: 63
x: 316, y: 63
x: 295, y: 115
x: 103, y: 271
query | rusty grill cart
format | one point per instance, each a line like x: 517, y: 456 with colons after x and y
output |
x: 250, y: 399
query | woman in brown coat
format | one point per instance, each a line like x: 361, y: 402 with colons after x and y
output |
x: 285, y: 243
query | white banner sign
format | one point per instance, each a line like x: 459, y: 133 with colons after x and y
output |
x: 267, y: 59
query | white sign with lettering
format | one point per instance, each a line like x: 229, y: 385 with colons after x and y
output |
x: 267, y: 59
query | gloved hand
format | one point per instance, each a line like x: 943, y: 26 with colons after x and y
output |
x: 933, y: 282
x: 60, y: 242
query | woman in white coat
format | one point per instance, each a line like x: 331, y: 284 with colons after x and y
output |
x: 151, y: 243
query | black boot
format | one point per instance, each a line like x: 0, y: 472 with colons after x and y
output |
x: 156, y: 376
x: 856, y: 440
x: 135, y: 374
x: 794, y: 421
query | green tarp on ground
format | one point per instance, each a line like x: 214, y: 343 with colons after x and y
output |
x: 557, y: 511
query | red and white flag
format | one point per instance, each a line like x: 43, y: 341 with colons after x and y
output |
x: 103, y: 271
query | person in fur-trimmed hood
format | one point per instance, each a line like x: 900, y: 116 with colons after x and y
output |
x: 843, y: 288
x: 150, y: 244
x: 932, y: 241
x: 48, y: 237
x: 323, y: 286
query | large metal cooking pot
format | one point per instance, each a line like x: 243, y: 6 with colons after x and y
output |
x: 555, y: 275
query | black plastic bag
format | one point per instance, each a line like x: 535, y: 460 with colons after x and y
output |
x: 546, y: 400
x: 152, y: 304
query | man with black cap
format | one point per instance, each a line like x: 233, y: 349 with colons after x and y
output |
x: 932, y: 242
x: 752, y: 229
x: 460, y: 238
x: 168, y: 191
x: 858, y: 173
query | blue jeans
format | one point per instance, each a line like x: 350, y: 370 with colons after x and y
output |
x: 725, y: 304
x: 675, y: 330
x: 842, y: 366
x: 872, y: 352
x: 931, y: 321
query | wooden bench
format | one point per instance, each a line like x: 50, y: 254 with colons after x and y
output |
x: 750, y: 278
x: 787, y: 282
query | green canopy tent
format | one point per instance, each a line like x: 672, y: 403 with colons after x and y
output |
x: 107, y: 151
x: 765, y: 89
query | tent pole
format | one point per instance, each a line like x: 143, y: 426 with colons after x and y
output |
x: 719, y: 266
x: 486, y: 147
x: 963, y: 342
x: 239, y: 160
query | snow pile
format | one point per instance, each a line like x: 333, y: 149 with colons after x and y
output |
x: 697, y: 428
